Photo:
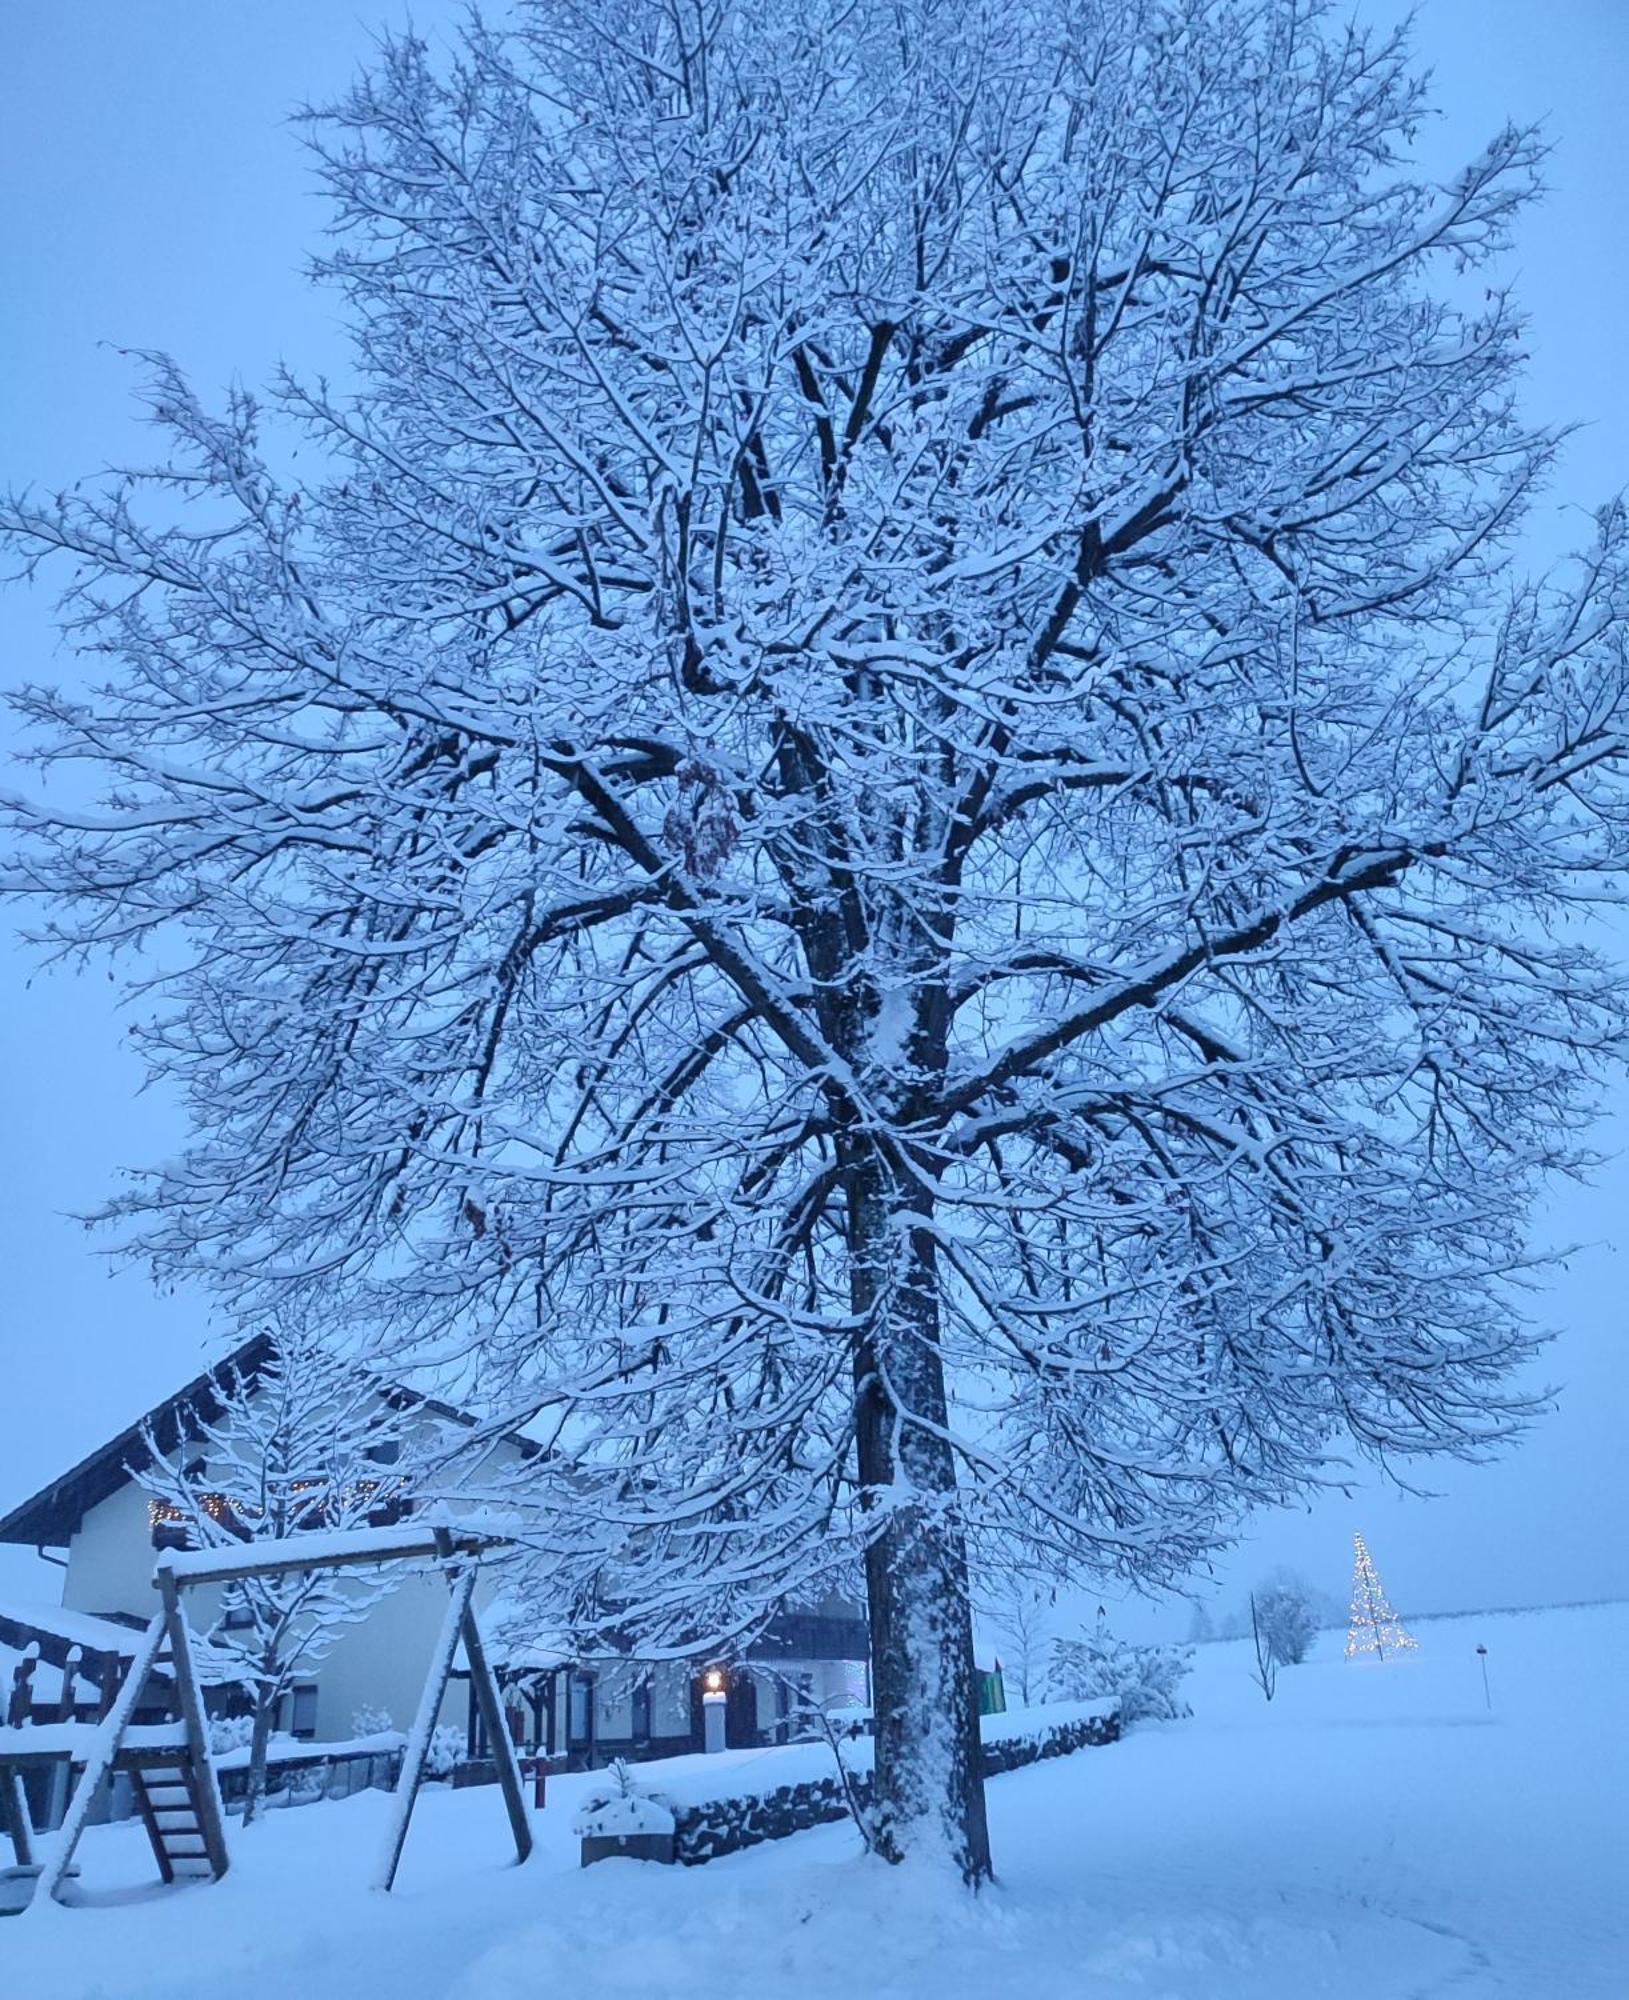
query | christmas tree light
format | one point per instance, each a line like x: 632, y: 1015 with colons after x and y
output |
x: 1375, y: 1627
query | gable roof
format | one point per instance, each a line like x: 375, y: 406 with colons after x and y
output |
x: 51, y: 1517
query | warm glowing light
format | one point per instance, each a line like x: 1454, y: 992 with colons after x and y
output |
x: 714, y: 1680
x: 1375, y: 1627
x: 232, y: 1512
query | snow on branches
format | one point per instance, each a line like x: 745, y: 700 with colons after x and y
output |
x: 1142, y: 1679
x: 890, y: 834
x: 304, y: 1441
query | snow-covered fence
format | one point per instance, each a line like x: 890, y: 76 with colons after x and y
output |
x: 59, y: 1666
x: 726, y: 1825
x: 327, y: 1771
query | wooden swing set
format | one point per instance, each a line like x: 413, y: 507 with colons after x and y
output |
x: 171, y: 1772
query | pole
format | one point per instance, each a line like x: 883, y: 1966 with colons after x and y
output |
x: 497, y: 1730
x: 1482, y: 1655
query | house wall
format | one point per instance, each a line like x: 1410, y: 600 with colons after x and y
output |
x: 670, y: 1700
x: 110, y: 1559
x: 381, y: 1662
x: 378, y: 1663
x: 827, y: 1683
x: 837, y: 1683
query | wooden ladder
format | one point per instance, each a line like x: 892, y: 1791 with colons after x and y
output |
x: 168, y: 1796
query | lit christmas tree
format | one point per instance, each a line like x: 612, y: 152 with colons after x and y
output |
x: 1375, y: 1627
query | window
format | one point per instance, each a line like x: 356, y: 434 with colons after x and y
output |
x: 303, y: 1711
x: 580, y: 1709
x: 297, y: 1711
x: 794, y: 1706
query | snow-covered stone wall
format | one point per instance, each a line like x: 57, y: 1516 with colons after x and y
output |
x: 726, y: 1825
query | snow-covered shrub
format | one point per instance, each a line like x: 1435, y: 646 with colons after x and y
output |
x: 445, y: 1752
x: 372, y: 1720
x: 229, y: 1732
x: 1287, y: 1612
x: 619, y: 1806
x: 1143, y: 1679
x: 306, y: 1787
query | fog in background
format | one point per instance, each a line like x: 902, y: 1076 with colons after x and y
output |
x: 155, y: 196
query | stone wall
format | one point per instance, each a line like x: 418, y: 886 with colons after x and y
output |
x: 1062, y: 1739
x: 724, y: 1826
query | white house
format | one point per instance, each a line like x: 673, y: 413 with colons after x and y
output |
x: 108, y: 1529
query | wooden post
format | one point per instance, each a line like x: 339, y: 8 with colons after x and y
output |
x: 14, y: 1812
x: 497, y: 1730
x: 22, y: 1688
x: 70, y: 1674
x: 418, y: 1743
x: 211, y: 1821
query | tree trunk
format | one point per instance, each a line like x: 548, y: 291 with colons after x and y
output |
x: 929, y: 1773
x: 259, y: 1743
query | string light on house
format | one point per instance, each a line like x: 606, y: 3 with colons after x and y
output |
x: 309, y: 1504
x: 1374, y: 1627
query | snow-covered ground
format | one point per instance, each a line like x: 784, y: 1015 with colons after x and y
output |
x: 1375, y: 1832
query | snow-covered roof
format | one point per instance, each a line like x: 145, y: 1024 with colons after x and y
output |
x: 78, y: 1628
x: 49, y: 1518
x: 56, y: 1631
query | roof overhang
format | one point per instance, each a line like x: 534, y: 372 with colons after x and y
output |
x: 51, y: 1517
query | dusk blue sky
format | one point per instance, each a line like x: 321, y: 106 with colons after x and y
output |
x: 155, y: 196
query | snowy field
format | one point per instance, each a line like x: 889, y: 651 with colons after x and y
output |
x: 1375, y: 1832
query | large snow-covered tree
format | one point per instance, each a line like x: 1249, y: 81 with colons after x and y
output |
x: 304, y: 1440
x: 878, y: 822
